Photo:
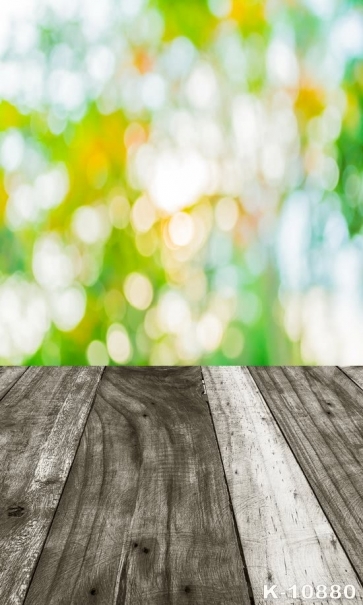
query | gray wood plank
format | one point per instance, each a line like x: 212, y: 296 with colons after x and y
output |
x: 286, y: 538
x: 9, y: 375
x: 355, y: 373
x: 41, y: 421
x: 320, y: 411
x: 144, y: 517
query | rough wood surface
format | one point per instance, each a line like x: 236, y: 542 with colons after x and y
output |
x: 320, y: 411
x: 9, y: 375
x: 41, y: 421
x: 144, y: 518
x: 286, y: 538
x: 355, y: 373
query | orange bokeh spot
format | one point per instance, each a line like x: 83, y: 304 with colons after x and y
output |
x: 135, y: 135
x: 142, y: 61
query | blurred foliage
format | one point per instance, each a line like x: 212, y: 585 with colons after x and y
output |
x: 181, y: 182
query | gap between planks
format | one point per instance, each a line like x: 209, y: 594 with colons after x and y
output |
x: 355, y: 373
x: 9, y: 376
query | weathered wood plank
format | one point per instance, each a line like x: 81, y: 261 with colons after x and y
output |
x: 355, y: 373
x: 144, y: 518
x: 41, y: 421
x: 8, y: 377
x: 320, y: 411
x: 286, y: 538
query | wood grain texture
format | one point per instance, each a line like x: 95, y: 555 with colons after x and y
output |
x: 320, y: 411
x: 144, y: 517
x: 41, y: 421
x: 9, y: 375
x: 286, y: 538
x: 355, y: 373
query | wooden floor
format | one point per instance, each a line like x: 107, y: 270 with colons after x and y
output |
x: 188, y: 485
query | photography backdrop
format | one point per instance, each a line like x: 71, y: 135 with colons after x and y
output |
x: 181, y: 182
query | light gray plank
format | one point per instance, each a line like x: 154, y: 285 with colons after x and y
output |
x: 285, y: 536
x: 41, y: 421
x: 320, y: 411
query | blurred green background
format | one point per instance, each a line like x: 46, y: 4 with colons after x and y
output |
x: 181, y: 182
